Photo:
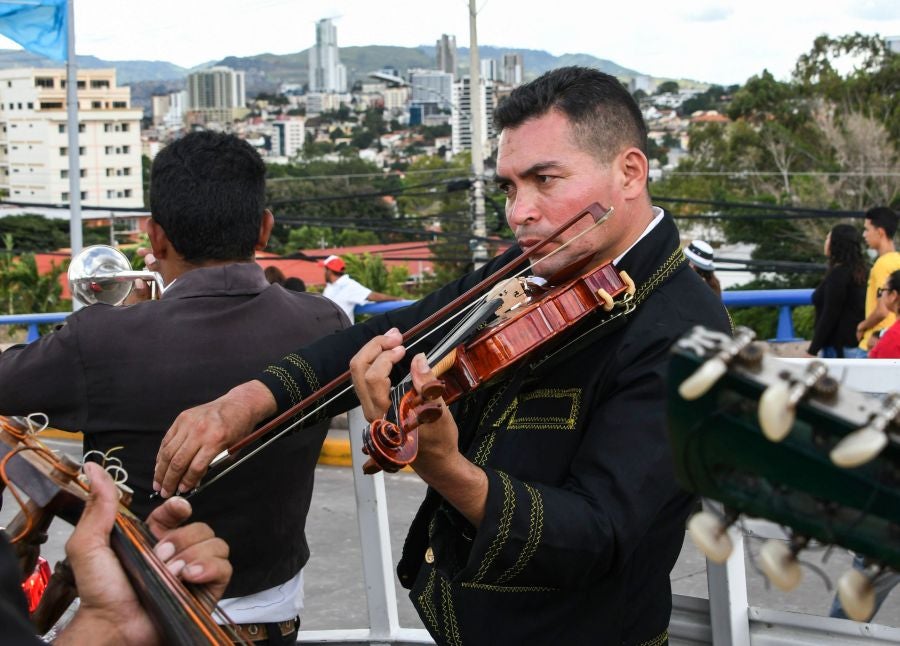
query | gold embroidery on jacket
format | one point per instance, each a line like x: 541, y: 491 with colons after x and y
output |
x: 426, y: 603
x: 535, y: 530
x: 506, y: 517
x: 287, y: 381
x: 565, y: 421
x: 451, y: 628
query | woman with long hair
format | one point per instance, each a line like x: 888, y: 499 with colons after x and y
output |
x: 888, y: 346
x: 840, y: 298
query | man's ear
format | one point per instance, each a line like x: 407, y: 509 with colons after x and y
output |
x: 159, y: 241
x: 265, y: 230
x: 634, y: 169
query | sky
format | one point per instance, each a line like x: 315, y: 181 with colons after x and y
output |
x: 715, y: 41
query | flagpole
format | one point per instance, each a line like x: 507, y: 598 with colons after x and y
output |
x: 74, y: 161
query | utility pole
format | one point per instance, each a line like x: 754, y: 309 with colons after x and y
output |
x: 479, y: 251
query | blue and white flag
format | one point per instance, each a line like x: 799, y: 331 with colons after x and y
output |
x: 37, y: 25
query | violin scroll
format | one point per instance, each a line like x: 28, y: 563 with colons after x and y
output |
x: 390, y: 446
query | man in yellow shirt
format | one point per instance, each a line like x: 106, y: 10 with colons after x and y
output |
x: 878, y: 232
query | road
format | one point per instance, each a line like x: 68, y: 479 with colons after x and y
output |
x: 335, y: 596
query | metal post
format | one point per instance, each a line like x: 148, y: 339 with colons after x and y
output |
x: 479, y: 253
x: 728, y: 603
x: 72, y: 124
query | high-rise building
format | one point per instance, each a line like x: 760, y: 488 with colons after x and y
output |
x: 461, y: 119
x: 34, y: 140
x: 289, y: 137
x: 430, y: 87
x: 446, y: 54
x: 326, y: 74
x: 489, y: 71
x: 511, y: 69
x: 168, y: 109
x: 216, y: 95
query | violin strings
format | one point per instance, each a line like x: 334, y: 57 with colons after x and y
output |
x: 406, y: 379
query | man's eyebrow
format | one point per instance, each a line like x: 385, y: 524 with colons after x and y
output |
x: 535, y: 169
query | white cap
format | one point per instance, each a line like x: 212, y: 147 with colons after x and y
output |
x: 701, y: 254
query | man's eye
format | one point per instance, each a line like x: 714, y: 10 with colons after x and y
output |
x: 544, y: 179
x: 504, y: 188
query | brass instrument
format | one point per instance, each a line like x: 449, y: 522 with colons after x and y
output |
x: 102, y: 274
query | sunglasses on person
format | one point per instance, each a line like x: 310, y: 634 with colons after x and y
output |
x: 882, y: 290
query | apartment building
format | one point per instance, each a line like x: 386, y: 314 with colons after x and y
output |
x: 461, y: 119
x: 216, y: 95
x: 34, y: 153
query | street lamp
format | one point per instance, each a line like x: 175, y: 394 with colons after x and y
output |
x: 479, y: 251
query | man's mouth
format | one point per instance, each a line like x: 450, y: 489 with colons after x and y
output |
x: 527, y: 243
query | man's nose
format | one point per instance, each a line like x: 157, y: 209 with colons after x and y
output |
x: 521, y: 210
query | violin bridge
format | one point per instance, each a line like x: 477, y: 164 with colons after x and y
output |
x: 512, y: 292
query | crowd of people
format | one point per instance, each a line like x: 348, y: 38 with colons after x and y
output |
x: 855, y: 307
x: 552, y: 510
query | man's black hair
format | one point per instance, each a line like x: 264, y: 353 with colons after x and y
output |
x: 605, y: 118
x: 207, y: 192
x: 883, y: 217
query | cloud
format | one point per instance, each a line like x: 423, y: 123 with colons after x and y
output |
x: 709, y: 13
x: 876, y: 9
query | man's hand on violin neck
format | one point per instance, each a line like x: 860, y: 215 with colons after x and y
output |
x: 201, y: 433
x: 371, y: 369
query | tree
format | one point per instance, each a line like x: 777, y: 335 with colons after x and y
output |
x: 24, y: 290
x: 667, y: 87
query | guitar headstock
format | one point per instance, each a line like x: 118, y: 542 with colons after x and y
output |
x: 786, y: 442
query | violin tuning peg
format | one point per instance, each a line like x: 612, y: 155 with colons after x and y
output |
x: 710, y: 535
x: 857, y: 595
x: 699, y: 383
x: 608, y: 302
x: 629, y: 282
x: 776, y: 413
x: 779, y: 563
x: 859, y: 447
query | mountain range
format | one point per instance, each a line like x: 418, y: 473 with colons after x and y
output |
x: 265, y: 72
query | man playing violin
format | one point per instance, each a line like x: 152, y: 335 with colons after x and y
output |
x: 552, y: 513
x: 110, y: 612
x: 122, y: 374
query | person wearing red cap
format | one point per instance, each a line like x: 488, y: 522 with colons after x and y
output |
x: 345, y: 291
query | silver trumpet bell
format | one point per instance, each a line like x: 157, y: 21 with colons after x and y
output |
x: 102, y: 274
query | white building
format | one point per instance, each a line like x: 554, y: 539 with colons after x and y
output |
x: 326, y: 74
x: 34, y: 153
x: 216, y: 95
x: 431, y: 87
x: 288, y: 137
x: 319, y: 102
x: 461, y: 116
x: 168, y: 109
x: 489, y: 69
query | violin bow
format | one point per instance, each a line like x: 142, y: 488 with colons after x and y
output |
x: 597, y: 212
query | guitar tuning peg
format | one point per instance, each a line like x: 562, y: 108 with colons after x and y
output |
x: 710, y: 535
x: 778, y: 404
x: 699, y: 383
x: 864, y: 444
x: 779, y: 563
x: 857, y: 595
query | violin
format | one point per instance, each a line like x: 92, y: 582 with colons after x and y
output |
x: 55, y: 486
x: 548, y: 316
x: 569, y: 308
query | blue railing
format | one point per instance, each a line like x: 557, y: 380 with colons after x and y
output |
x: 784, y: 299
x: 32, y: 321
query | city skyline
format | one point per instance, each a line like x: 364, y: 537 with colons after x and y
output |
x: 712, y: 41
